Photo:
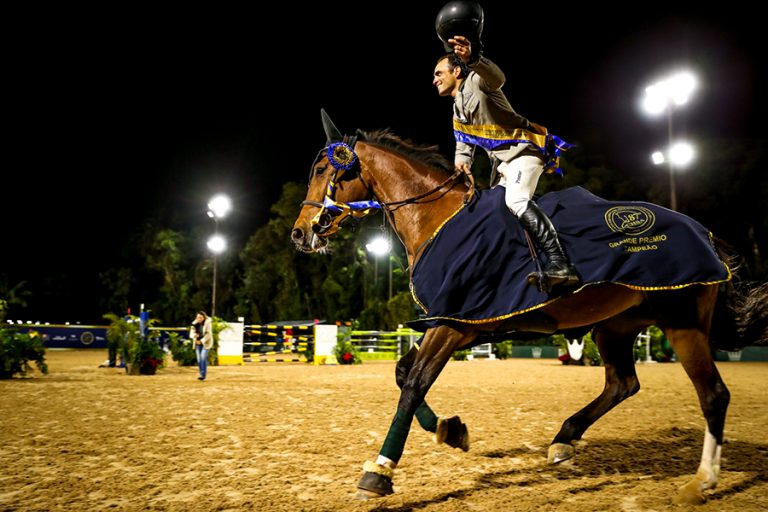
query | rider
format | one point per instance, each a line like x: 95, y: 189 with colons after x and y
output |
x: 482, y: 116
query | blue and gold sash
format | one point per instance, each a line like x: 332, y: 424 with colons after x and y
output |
x: 493, y: 136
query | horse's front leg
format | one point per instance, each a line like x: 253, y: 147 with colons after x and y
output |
x: 451, y: 431
x: 436, y: 349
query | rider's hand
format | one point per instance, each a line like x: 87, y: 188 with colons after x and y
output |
x: 465, y: 168
x: 462, y: 48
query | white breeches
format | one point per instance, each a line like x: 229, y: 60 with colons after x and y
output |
x: 520, y: 177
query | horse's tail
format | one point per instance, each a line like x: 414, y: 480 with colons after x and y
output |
x: 741, y: 311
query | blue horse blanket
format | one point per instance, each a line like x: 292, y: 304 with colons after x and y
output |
x: 475, y: 267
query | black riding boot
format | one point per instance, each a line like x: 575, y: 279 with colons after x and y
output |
x: 559, y: 271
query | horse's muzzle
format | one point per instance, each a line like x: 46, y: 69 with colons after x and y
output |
x: 304, y: 243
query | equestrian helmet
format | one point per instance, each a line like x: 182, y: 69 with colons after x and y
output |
x: 460, y: 18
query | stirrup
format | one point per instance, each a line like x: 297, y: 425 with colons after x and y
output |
x: 544, y: 282
x: 540, y: 280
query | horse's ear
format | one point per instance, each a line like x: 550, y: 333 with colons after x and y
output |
x: 360, y: 134
x: 331, y: 132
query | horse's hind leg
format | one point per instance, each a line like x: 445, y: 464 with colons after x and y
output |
x: 692, y: 348
x: 615, y: 338
x: 451, y: 431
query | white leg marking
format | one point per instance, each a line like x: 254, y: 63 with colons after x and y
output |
x: 709, y: 468
x: 706, y: 477
x: 384, y: 461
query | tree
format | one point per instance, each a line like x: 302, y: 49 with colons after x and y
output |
x: 282, y: 283
x: 270, y: 284
x: 116, y: 287
x: 725, y: 190
x: 164, y: 253
x: 400, y: 309
x: 15, y: 295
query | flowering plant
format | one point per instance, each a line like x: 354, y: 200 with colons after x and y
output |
x: 17, y: 350
x: 346, y: 352
x: 142, y: 353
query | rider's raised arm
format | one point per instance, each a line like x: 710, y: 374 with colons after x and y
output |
x: 488, y: 76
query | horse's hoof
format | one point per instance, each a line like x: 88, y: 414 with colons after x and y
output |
x: 452, y: 432
x: 558, y: 452
x: 692, y: 493
x: 375, y: 482
x: 373, y: 485
x: 365, y: 495
x: 689, y: 494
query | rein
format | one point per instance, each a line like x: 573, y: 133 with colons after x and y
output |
x: 414, y: 199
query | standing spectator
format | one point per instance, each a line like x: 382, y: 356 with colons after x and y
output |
x: 201, y: 334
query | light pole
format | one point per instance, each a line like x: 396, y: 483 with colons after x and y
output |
x: 380, y: 246
x: 216, y: 244
x: 678, y: 156
x: 664, y: 96
x: 218, y: 208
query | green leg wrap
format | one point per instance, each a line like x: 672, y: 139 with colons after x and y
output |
x: 426, y: 417
x: 394, y: 444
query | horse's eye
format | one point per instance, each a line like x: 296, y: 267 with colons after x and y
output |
x: 320, y: 170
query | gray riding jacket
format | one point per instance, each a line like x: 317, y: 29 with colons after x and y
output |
x: 483, y: 116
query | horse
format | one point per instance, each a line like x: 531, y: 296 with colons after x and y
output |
x: 418, y: 190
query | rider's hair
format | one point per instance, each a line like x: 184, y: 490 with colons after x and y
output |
x: 454, y: 61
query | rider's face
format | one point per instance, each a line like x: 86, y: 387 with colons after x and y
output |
x: 445, y: 79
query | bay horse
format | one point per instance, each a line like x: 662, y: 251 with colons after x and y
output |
x: 418, y: 190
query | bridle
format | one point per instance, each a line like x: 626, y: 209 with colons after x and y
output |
x: 343, y: 159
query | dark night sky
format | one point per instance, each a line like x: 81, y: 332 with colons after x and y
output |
x: 144, y: 115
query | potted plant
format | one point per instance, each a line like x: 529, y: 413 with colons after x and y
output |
x: 145, y: 355
x: 182, y: 350
x: 17, y: 350
x: 346, y: 352
x: 218, y: 326
x: 141, y: 353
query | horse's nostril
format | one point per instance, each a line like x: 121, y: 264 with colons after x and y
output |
x: 297, y: 235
